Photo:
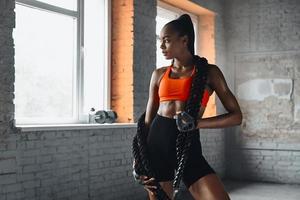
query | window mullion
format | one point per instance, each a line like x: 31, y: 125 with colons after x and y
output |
x: 80, y: 62
x: 107, y: 72
x: 48, y: 7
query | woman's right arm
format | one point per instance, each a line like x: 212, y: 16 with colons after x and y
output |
x: 153, y: 100
x: 151, y: 110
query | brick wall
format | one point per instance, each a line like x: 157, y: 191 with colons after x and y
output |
x: 6, y: 66
x: 81, y: 164
x: 144, y: 52
x: 263, y: 52
x: 122, y: 59
x: 86, y: 163
x: 7, y: 142
x: 77, y: 164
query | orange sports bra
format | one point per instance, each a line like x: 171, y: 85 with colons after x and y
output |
x: 177, y: 89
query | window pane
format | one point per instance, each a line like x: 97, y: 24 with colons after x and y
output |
x: 68, y: 4
x: 160, y: 59
x: 45, y: 53
x: 160, y: 22
x: 94, y: 55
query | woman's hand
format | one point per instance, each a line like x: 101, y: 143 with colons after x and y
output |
x: 144, y: 180
x: 184, y: 122
x: 148, y: 184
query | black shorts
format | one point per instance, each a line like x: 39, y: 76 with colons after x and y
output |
x: 161, y: 143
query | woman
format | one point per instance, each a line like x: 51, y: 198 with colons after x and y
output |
x: 166, y: 101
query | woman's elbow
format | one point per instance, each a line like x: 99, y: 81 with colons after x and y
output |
x: 238, y: 118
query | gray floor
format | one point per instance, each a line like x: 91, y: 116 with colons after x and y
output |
x: 239, y: 190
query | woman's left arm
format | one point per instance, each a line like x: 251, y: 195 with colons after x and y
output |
x: 217, y: 82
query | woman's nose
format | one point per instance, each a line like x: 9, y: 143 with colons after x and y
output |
x: 162, y: 45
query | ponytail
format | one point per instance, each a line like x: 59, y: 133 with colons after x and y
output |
x: 184, y: 26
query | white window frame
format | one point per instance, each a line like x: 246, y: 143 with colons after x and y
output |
x: 80, y: 115
x: 171, y: 12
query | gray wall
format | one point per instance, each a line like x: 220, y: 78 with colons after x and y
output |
x: 263, y: 52
x: 83, y: 163
x: 69, y: 164
x: 144, y: 52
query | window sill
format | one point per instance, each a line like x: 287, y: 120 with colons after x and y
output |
x: 61, y: 127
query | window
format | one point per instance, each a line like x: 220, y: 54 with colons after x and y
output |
x: 165, y: 14
x: 61, y: 60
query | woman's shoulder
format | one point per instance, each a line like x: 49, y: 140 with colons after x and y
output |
x: 161, y: 70
x: 214, y: 70
x: 158, y: 73
x: 214, y: 75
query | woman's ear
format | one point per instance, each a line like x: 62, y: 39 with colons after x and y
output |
x: 185, y: 40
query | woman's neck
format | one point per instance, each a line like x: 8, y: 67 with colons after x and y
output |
x: 183, y: 63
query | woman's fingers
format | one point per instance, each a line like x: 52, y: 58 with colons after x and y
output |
x: 144, y: 178
x: 147, y: 182
x: 150, y: 187
x: 152, y: 193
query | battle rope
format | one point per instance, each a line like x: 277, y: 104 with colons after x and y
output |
x: 192, y: 107
x: 140, y: 154
x: 183, y: 141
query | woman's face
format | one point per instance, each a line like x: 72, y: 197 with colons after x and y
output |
x: 172, y: 45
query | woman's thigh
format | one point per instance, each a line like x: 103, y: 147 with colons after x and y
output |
x: 208, y: 187
x: 167, y: 186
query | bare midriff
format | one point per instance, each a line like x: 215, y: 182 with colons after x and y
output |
x: 171, y: 108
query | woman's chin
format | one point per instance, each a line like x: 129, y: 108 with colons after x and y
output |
x: 168, y: 57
